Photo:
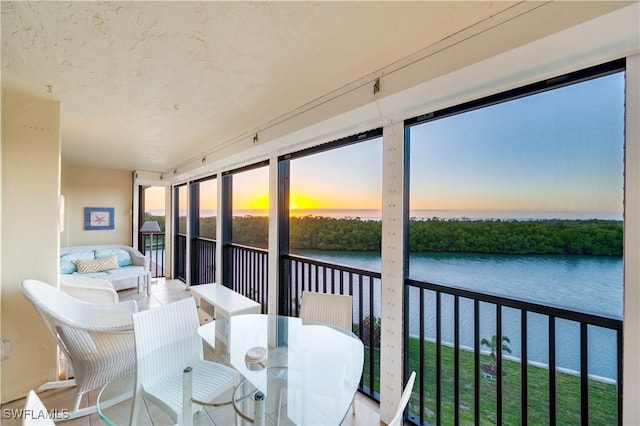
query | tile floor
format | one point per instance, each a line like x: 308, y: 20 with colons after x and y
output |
x: 164, y: 291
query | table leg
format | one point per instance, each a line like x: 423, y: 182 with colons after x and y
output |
x: 258, y: 409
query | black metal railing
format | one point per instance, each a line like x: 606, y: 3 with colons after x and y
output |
x: 249, y: 275
x: 181, y: 257
x: 204, y: 255
x: 524, y: 376
x: 458, y: 382
x: 153, y: 246
x: 314, y: 275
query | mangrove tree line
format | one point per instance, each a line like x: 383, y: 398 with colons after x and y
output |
x: 553, y: 236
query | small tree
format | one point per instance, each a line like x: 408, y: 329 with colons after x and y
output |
x: 366, y: 331
x: 492, y: 344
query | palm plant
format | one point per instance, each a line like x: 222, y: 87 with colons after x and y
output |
x: 492, y: 344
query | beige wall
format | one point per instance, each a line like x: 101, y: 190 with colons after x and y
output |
x: 30, y: 236
x: 93, y: 187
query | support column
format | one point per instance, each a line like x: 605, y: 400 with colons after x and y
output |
x: 274, y: 237
x: 393, y: 250
x: 225, y: 237
x: 219, y: 218
x: 193, y: 230
x: 631, y: 324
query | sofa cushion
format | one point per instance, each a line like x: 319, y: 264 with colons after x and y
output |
x: 68, y: 261
x: 102, y: 275
x: 125, y: 271
x: 97, y: 265
x: 123, y: 256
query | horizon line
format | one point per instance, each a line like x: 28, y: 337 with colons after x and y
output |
x: 372, y: 213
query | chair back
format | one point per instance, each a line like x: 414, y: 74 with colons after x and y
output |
x: 35, y: 413
x: 55, y: 304
x: 166, y: 338
x: 398, y: 419
x: 60, y: 312
x: 325, y: 308
x: 94, y: 340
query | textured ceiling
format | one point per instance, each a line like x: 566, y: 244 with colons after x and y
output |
x: 147, y: 85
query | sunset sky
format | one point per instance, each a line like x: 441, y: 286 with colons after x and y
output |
x: 560, y: 150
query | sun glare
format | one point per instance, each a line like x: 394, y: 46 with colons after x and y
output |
x: 302, y: 201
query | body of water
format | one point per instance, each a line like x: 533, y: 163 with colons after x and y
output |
x: 590, y: 284
x: 581, y: 283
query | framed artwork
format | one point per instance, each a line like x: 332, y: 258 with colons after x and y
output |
x: 97, y: 218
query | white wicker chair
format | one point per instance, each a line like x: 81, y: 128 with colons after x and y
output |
x: 398, y: 419
x: 35, y: 413
x: 331, y: 309
x: 324, y: 308
x: 167, y: 342
x: 96, y: 338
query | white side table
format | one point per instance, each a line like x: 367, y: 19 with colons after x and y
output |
x: 225, y: 301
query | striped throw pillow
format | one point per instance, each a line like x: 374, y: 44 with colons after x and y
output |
x: 97, y: 265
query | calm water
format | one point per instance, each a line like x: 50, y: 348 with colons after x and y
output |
x: 583, y: 283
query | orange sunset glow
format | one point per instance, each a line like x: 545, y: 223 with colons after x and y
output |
x: 297, y: 200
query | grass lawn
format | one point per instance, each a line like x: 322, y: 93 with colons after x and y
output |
x: 603, y: 403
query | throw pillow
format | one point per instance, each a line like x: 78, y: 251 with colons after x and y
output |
x: 97, y: 265
x: 124, y: 259
x: 68, y: 261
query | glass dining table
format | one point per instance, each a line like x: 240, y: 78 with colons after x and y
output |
x: 290, y: 372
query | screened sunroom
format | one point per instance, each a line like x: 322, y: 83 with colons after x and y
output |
x: 468, y: 172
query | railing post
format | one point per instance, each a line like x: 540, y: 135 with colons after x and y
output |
x: 524, y: 368
x: 552, y: 370
x: 584, y: 375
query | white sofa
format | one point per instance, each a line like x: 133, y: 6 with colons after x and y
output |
x: 132, y: 268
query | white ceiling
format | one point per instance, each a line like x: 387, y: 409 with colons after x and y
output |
x: 147, y: 85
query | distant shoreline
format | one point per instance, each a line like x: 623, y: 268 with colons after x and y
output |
x: 376, y: 214
x: 594, y: 237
